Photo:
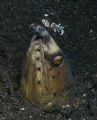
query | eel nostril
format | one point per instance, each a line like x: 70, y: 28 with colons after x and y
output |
x: 58, y: 60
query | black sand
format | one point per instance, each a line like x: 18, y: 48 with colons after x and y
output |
x: 79, y: 43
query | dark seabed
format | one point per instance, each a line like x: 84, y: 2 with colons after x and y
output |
x: 79, y: 43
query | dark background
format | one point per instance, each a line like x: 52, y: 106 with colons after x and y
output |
x: 79, y: 43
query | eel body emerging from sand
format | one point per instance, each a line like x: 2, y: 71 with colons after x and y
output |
x: 47, y: 79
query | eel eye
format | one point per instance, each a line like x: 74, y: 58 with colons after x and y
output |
x: 57, y: 60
